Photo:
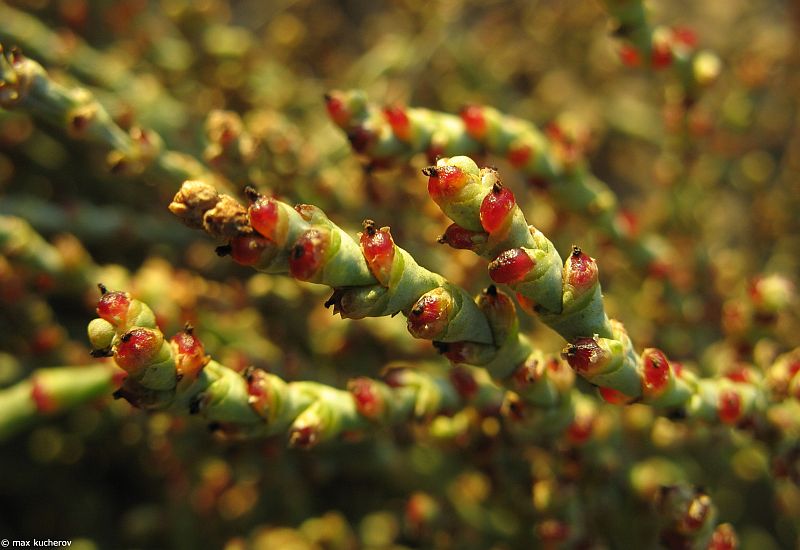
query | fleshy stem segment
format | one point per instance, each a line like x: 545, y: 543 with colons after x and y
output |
x: 395, y: 134
x: 53, y: 390
x: 25, y: 85
x: 374, y: 277
x: 567, y: 297
x: 177, y: 375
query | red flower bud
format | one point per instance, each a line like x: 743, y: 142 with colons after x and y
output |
x: 511, y: 266
x: 461, y: 239
x: 113, y: 306
x: 584, y: 354
x: 247, y: 249
x: 496, y: 208
x: 656, y: 371
x: 519, y: 155
x: 730, y: 406
x: 190, y: 355
x: 367, y: 398
x: 474, y: 121
x: 581, y: 270
x: 308, y: 255
x: 378, y: 248
x: 337, y: 109
x: 398, y: 120
x: 724, y: 538
x: 263, y: 215
x: 137, y: 347
x: 614, y: 397
x: 444, y: 181
x: 464, y: 382
x: 428, y: 318
x: 629, y: 56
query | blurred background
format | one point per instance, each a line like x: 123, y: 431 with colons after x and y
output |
x: 716, y: 178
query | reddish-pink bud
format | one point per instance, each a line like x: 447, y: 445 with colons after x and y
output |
x: 137, y: 347
x: 308, y: 254
x: 247, y: 249
x: 113, y: 306
x: 444, y: 181
x: 581, y: 429
x: 614, y: 397
x: 44, y: 400
x: 398, y: 120
x: 474, y: 121
x: 581, y: 270
x: 428, y: 318
x: 337, y: 109
x: 685, y: 36
x: 459, y: 238
x: 724, y: 538
x: 661, y: 55
x: 464, y: 382
x: 258, y: 391
x: 656, y: 371
x: 496, y: 208
x: 263, y: 215
x: 378, y: 248
x: 730, y: 406
x: 190, y: 355
x: 367, y: 399
x: 511, y: 266
x: 519, y: 155
x: 629, y: 56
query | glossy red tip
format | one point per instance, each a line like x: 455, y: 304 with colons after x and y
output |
x: 661, y: 56
x: 511, y: 266
x: 398, y: 120
x: 496, y: 208
x: 190, y: 355
x: 656, y: 371
x: 474, y: 121
x: 464, y: 382
x: 724, y: 538
x: 685, y: 36
x: 368, y: 401
x: 113, y: 306
x: 445, y: 181
x: 519, y: 155
x: 430, y: 315
x: 42, y: 399
x: 629, y: 56
x: 730, y: 406
x: 247, y: 250
x: 378, y: 248
x: 337, y: 109
x: 263, y: 215
x: 308, y: 254
x: 581, y: 429
x: 136, y: 348
x: 581, y: 270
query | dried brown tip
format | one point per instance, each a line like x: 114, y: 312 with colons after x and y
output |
x: 497, y: 187
x: 103, y: 288
x: 491, y: 290
x: 252, y: 193
x: 369, y: 227
x: 430, y: 171
x: 224, y: 250
x: 576, y: 250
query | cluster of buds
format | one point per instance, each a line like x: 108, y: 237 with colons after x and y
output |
x: 385, y: 136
